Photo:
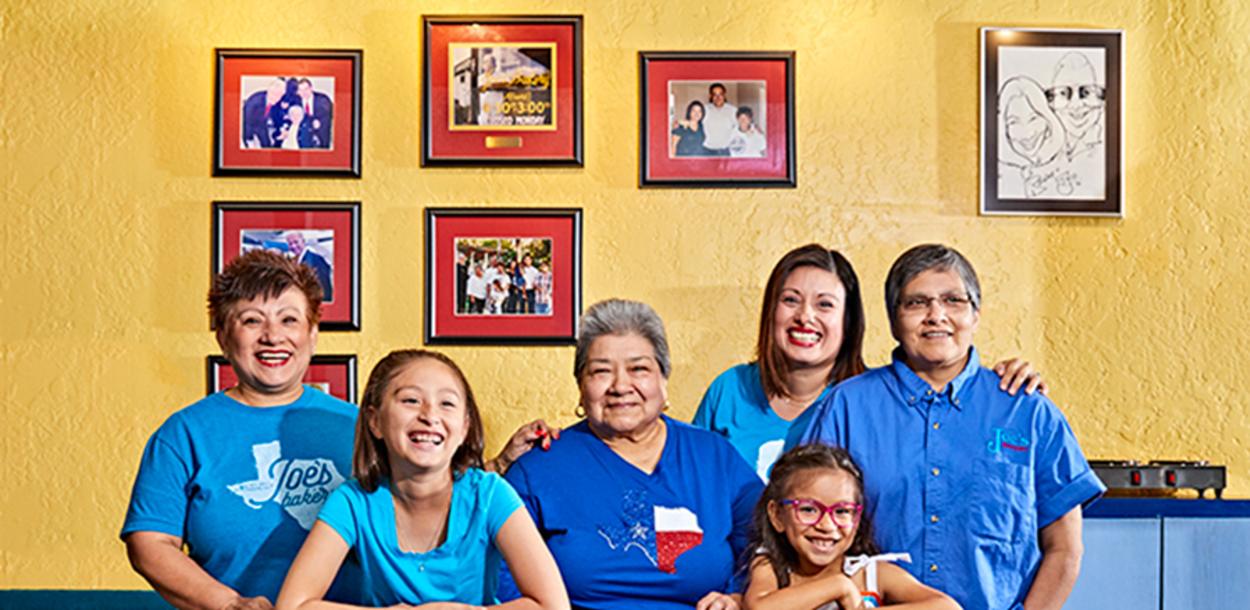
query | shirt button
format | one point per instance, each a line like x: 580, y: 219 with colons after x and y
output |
x: 935, y: 472
x: 933, y: 567
x: 933, y: 518
x: 936, y: 425
x: 911, y: 399
x: 928, y: 392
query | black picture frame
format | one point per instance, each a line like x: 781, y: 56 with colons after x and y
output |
x: 217, y: 367
x: 451, y: 231
x: 664, y: 170
x: 334, y: 162
x: 434, y: 108
x: 1052, y: 139
x: 230, y: 217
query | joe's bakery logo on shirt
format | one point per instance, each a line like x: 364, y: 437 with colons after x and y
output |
x: 1005, y: 439
x: 661, y: 533
x: 300, y: 487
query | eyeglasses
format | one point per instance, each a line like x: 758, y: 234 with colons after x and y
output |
x: 810, y: 512
x: 1062, y: 94
x: 952, y: 303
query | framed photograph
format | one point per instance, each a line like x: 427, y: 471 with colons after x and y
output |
x: 287, y: 112
x: 1052, y: 116
x: 333, y: 374
x: 717, y: 119
x: 502, y: 91
x: 502, y: 276
x: 323, y: 235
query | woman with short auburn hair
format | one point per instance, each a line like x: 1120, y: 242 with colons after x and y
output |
x: 238, y: 476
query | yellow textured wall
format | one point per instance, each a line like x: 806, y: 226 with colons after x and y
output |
x: 105, y: 152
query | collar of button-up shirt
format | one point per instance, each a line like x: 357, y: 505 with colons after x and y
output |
x: 918, y: 391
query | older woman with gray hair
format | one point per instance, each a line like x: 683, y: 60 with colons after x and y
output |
x: 982, y: 488
x: 639, y: 510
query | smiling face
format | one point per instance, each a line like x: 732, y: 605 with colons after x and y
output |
x: 1075, y: 95
x: 716, y: 95
x: 1027, y: 130
x: 422, y: 419
x: 269, y: 343
x: 807, y: 318
x: 936, y: 337
x: 823, y: 544
x: 622, y: 388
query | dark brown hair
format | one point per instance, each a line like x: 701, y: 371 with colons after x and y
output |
x: 370, y: 462
x: 261, y: 272
x: 849, y: 361
x: 773, y: 546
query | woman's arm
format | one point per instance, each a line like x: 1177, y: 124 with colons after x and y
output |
x: 763, y: 594
x: 158, y: 557
x: 313, y: 571
x: 533, y: 568
x: 1061, y: 562
x: 900, y: 590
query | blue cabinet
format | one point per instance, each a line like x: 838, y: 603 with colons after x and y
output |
x: 1145, y: 554
x: 1120, y: 569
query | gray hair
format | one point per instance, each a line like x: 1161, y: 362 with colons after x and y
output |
x: 924, y: 258
x: 621, y: 317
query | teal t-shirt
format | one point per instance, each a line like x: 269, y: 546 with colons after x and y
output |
x: 735, y: 407
x: 465, y: 568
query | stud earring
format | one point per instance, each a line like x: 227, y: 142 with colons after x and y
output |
x: 579, y: 412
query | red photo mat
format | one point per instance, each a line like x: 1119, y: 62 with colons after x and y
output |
x: 444, y: 143
x: 661, y: 167
x: 234, y: 156
x: 562, y: 230
x: 340, y: 221
x: 339, y: 372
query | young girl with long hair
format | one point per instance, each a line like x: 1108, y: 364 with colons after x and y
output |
x: 427, y: 526
x: 813, y: 543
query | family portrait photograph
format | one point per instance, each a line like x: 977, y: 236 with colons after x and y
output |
x: 503, y: 276
x: 718, y: 118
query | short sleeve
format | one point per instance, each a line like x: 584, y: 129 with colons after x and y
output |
x: 161, y: 494
x: 340, y: 512
x: 1062, y: 477
x: 501, y: 501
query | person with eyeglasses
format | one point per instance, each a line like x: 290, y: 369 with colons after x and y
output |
x: 983, y: 489
x: 1078, y: 100
x: 814, y: 547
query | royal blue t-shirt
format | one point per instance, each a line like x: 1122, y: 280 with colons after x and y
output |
x: 736, y: 408
x: 464, y: 568
x: 242, y: 485
x: 962, y: 479
x: 625, y: 539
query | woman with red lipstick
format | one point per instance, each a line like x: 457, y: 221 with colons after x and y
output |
x: 811, y: 335
x: 238, y: 477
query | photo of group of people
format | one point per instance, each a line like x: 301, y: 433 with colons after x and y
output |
x: 1051, y: 127
x: 502, y: 86
x: 717, y: 119
x: 503, y: 276
x: 312, y: 247
x: 287, y: 112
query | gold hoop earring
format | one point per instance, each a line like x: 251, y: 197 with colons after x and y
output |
x: 579, y: 412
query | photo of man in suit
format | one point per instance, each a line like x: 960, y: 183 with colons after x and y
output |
x: 301, y: 252
x: 318, y: 111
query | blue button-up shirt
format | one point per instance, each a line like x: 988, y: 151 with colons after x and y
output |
x: 961, y: 478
